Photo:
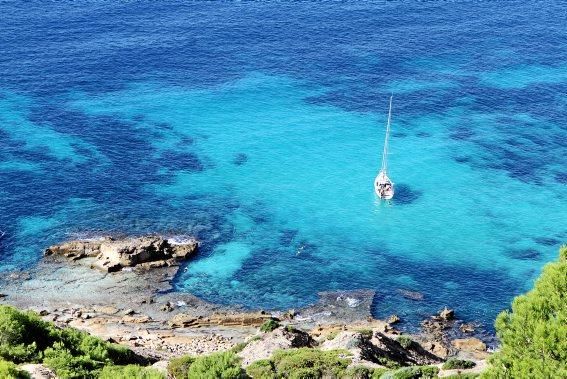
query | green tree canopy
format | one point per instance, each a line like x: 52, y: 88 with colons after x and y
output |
x: 534, y: 333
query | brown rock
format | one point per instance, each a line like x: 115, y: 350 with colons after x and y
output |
x: 136, y: 320
x: 72, y: 249
x: 114, y: 254
x: 467, y: 328
x: 167, y: 307
x: 436, y: 348
x: 393, y: 319
x: 182, y: 320
x: 469, y: 344
x: 447, y: 314
x: 412, y: 295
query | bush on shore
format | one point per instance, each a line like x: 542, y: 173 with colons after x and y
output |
x: 9, y: 370
x: 405, y: 341
x: 26, y: 338
x: 534, y: 333
x: 454, y: 363
x: 269, y: 325
x: 225, y: 365
x: 262, y: 369
x: 296, y: 363
x: 412, y: 372
x: 129, y: 372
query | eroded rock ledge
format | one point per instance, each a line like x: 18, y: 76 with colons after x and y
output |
x: 111, y: 254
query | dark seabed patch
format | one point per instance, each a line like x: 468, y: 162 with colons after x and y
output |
x: 423, y: 134
x: 239, y: 159
x: 546, y: 241
x: 406, y: 195
x: 561, y: 177
x: 462, y: 159
x: 461, y: 133
x: 524, y: 254
x: 182, y: 161
x: 287, y: 236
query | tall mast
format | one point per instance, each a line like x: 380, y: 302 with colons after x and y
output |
x: 384, y: 168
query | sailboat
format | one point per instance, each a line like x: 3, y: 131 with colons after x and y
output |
x: 383, y: 186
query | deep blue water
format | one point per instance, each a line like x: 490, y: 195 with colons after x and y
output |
x: 257, y: 126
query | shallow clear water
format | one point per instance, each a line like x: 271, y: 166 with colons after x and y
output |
x: 259, y: 128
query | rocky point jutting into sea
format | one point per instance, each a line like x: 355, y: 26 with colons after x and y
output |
x: 120, y: 289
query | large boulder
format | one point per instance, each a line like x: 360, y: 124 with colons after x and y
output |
x: 114, y: 254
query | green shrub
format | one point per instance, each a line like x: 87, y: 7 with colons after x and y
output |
x: 359, y: 372
x: 310, y: 363
x: 534, y: 333
x: 224, y: 365
x: 8, y: 370
x: 332, y: 335
x: 69, y: 366
x: 405, y: 341
x: 179, y: 367
x: 262, y: 369
x: 412, y: 372
x: 454, y: 363
x: 23, y: 335
x: 378, y: 372
x: 468, y: 375
x: 269, y: 325
x: 365, y: 332
x: 238, y: 347
x: 290, y: 329
x: 129, y: 372
x: 386, y: 362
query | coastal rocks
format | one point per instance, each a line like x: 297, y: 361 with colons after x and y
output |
x: 75, y: 249
x: 379, y: 349
x: 437, y: 324
x: 278, y: 339
x: 412, y: 295
x: 469, y: 344
x: 447, y: 314
x: 113, y: 255
x: 182, y: 320
x: 359, y: 346
x: 388, y: 347
x: 393, y: 319
x: 339, y: 307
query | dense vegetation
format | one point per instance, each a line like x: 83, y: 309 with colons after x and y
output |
x: 534, y: 333
x: 9, y: 370
x: 224, y: 365
x: 453, y: 363
x: 24, y: 337
x: 269, y: 325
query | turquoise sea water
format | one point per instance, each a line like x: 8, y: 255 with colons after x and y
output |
x: 259, y: 127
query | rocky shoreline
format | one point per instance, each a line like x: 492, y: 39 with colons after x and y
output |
x: 120, y: 290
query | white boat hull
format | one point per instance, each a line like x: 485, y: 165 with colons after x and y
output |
x: 383, y: 186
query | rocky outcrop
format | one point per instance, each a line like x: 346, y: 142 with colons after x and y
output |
x: 279, y: 339
x: 469, y: 344
x: 112, y: 255
x: 379, y: 349
x: 182, y: 320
